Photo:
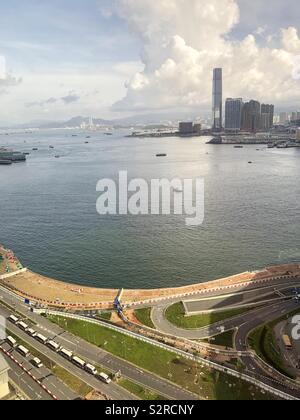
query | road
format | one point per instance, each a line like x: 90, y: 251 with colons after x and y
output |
x: 194, y: 307
x: 241, y: 343
x: 112, y: 390
x: 97, y: 356
x: 271, y: 283
x: 25, y: 383
x: 163, y: 325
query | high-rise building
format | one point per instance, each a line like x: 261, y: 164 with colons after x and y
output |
x: 251, y: 116
x: 267, y: 116
x: 295, y: 116
x: 233, y: 114
x: 186, y: 128
x: 217, y: 99
x: 283, y: 117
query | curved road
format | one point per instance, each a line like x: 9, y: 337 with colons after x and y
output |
x: 241, y: 344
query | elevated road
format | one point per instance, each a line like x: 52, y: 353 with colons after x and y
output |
x: 163, y: 325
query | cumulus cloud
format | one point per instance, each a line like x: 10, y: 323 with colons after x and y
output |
x: 6, y: 79
x: 183, y: 41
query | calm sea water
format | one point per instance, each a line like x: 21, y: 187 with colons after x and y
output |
x: 48, y: 210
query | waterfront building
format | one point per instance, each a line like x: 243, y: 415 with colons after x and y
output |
x: 197, y: 128
x: 217, y: 99
x: 186, y: 128
x: 251, y: 116
x: 233, y: 114
x: 283, y: 117
x: 267, y: 116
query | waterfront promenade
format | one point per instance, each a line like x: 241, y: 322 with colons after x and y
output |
x: 53, y: 293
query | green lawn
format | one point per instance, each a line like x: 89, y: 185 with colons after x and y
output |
x: 105, y: 316
x: 263, y: 341
x: 140, y: 392
x: 225, y: 339
x: 74, y: 383
x: 176, y: 315
x: 144, y: 316
x: 207, y: 383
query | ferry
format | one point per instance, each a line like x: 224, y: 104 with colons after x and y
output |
x: 10, y: 155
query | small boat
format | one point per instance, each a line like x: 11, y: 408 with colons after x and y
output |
x: 238, y: 147
x: 57, y: 157
x: 250, y: 162
x: 51, y: 147
x: 86, y: 142
x: 5, y: 162
x: 88, y: 137
x: 35, y: 149
x: 161, y: 155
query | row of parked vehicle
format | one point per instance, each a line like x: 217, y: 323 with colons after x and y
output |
x: 52, y: 345
x: 24, y: 352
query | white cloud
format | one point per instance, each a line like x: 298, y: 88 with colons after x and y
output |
x: 6, y: 79
x: 183, y: 41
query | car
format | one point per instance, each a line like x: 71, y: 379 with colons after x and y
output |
x: 37, y: 363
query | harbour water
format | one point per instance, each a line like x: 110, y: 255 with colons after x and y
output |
x: 48, y: 209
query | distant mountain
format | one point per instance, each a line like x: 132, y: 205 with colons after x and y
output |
x: 158, y: 120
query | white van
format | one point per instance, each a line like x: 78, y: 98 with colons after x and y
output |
x: 37, y: 363
x: 91, y: 369
x: 78, y: 362
x: 11, y: 341
x: 66, y: 354
x: 53, y: 346
x: 41, y: 338
x: 23, y: 351
x: 13, y: 319
x: 104, y: 378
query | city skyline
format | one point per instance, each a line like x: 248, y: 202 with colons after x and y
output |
x: 113, y: 59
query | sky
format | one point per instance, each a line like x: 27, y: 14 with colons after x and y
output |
x: 115, y: 58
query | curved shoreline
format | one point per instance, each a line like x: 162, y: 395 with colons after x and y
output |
x: 54, y: 293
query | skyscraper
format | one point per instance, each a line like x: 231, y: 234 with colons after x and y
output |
x: 251, y: 118
x: 267, y: 116
x: 217, y: 99
x: 233, y: 114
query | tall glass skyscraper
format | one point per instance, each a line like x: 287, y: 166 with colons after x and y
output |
x: 217, y: 99
x: 233, y: 114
